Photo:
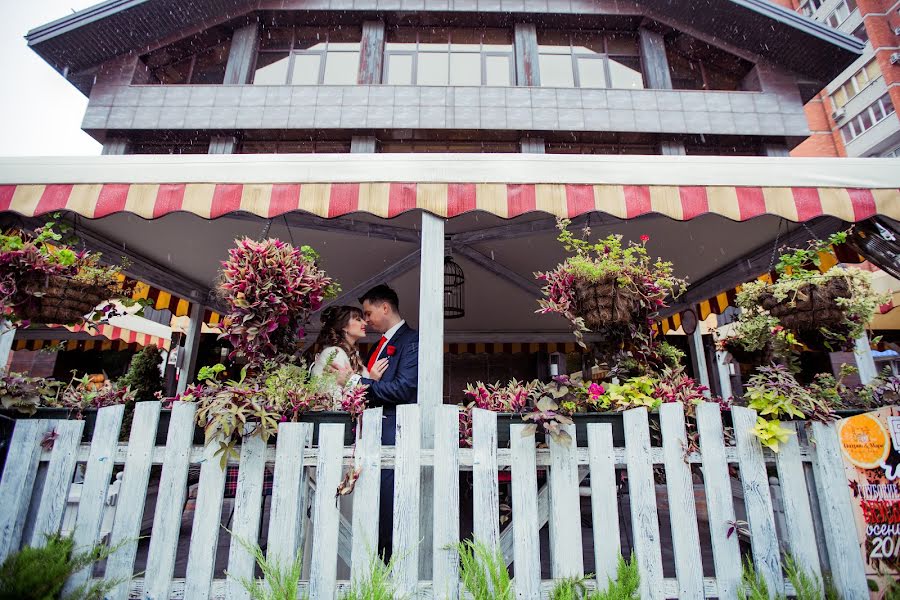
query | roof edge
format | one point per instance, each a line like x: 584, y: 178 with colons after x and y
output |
x: 79, y: 19
x: 802, y: 23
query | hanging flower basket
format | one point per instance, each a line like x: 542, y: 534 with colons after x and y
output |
x: 607, y: 302
x: 809, y: 307
x: 62, y: 300
x: 761, y: 356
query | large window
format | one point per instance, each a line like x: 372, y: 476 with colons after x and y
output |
x: 808, y: 7
x: 868, y: 118
x: 183, y: 63
x: 589, y: 60
x: 295, y: 147
x: 856, y: 83
x: 449, y: 57
x: 696, y: 65
x: 308, y: 56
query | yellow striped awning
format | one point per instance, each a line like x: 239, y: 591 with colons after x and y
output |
x: 389, y: 199
x: 75, y: 345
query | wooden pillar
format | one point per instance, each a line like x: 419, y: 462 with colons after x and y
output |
x: 362, y: 143
x: 864, y: 360
x: 528, y: 72
x: 431, y: 368
x: 223, y: 144
x: 724, y: 373
x: 698, y: 358
x: 238, y: 69
x: 371, y: 60
x: 533, y: 146
x: 654, y: 60
x: 191, y: 347
x: 777, y: 150
x: 672, y: 148
x: 7, y: 335
x: 114, y: 146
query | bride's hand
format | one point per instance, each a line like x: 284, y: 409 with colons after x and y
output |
x: 378, y: 369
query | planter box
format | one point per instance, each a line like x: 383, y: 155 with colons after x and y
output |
x: 60, y: 414
x: 504, y: 420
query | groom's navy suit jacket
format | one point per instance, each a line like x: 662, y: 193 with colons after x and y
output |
x: 400, y: 381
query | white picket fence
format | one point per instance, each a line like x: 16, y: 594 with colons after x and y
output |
x: 333, y: 535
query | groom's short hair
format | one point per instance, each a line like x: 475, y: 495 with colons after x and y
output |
x: 382, y: 293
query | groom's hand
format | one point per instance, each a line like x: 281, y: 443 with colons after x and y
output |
x: 342, y: 373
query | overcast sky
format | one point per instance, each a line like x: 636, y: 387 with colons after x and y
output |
x: 40, y: 112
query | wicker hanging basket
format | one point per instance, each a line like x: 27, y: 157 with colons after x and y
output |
x: 763, y: 356
x: 61, y: 301
x: 812, y: 309
x: 606, y: 302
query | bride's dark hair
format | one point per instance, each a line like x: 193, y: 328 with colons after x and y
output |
x: 334, y: 320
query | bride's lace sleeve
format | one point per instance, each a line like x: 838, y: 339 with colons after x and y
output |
x: 322, y: 358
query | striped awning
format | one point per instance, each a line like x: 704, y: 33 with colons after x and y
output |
x: 111, y: 332
x: 685, y: 202
x: 75, y: 345
x: 498, y: 348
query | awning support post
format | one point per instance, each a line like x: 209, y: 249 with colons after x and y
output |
x: 865, y: 362
x: 6, y: 341
x: 724, y: 375
x: 698, y: 359
x: 191, y: 347
x: 431, y: 368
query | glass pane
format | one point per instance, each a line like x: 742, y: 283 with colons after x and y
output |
x: 622, y: 43
x: 625, y: 72
x: 342, y: 68
x: 465, y: 69
x: 886, y: 102
x: 174, y: 73
x: 310, y: 38
x: 872, y: 70
x: 553, y: 42
x: 685, y: 74
x: 591, y: 73
x: 498, y: 70
x: 846, y: 133
x: 306, y: 69
x: 556, y: 70
x: 433, y: 68
x: 276, y: 38
x: 344, y: 37
x: 497, y: 39
x: 401, y: 38
x: 399, y: 69
x: 860, y: 33
x: 210, y: 65
x: 840, y: 97
x: 271, y: 68
x: 878, y: 111
x: 865, y: 120
x: 587, y: 42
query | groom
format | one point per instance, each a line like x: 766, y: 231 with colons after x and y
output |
x: 399, y: 344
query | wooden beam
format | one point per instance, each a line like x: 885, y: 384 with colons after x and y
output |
x: 343, y: 225
x: 498, y: 269
x: 518, y: 230
x: 398, y: 268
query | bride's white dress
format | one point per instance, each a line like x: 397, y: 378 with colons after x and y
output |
x: 340, y: 360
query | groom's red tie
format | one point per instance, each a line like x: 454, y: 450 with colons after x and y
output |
x: 377, y: 351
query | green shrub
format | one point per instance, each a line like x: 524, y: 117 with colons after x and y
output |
x: 378, y: 586
x: 627, y: 583
x: 483, y: 571
x: 143, y: 375
x: 279, y: 582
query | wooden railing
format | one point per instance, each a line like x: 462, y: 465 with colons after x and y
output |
x: 36, y: 498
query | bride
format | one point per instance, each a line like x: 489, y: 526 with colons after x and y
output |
x: 342, y: 328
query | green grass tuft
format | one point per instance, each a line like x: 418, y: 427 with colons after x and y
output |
x: 278, y: 583
x: 483, y: 571
x: 627, y: 583
x: 378, y: 586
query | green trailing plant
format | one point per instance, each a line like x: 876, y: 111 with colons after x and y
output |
x: 483, y: 571
x: 377, y: 586
x: 40, y: 573
x: 24, y: 394
x: 670, y: 355
x: 278, y: 582
x: 143, y: 377
x: 631, y: 393
x: 807, y: 586
x: 627, y: 584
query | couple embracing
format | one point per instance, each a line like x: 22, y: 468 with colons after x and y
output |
x: 391, y: 371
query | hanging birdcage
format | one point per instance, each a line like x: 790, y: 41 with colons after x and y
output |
x: 454, y: 289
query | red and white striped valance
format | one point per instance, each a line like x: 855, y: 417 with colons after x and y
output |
x: 210, y: 200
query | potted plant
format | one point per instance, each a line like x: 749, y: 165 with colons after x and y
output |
x: 825, y: 311
x: 43, y: 280
x: 609, y: 288
x: 22, y: 396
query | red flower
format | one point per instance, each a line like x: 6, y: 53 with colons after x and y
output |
x: 391, y: 350
x: 645, y: 238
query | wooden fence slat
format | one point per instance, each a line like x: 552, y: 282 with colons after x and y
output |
x: 719, y: 500
x: 288, y: 495
x: 407, y: 476
x: 486, y: 491
x: 566, y: 554
x: 526, y: 532
x: 17, y: 483
x: 366, y: 495
x: 132, y: 494
x: 797, y: 511
x: 847, y: 565
x: 58, y: 481
x: 326, y: 513
x: 97, y: 475
x: 207, y: 521
x: 604, y: 502
x: 682, y: 508
x: 445, y: 569
x: 247, y: 512
x: 170, y: 502
x: 642, y: 492
x: 757, y: 499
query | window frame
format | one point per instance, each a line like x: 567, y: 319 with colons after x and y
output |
x: 855, y: 126
x: 293, y: 52
x: 604, y: 56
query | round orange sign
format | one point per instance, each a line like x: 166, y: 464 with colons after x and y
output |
x: 865, y: 441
